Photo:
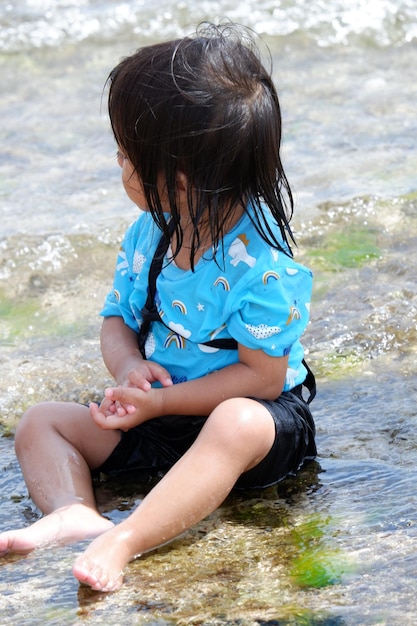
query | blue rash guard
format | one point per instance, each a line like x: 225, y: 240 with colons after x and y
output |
x: 252, y: 293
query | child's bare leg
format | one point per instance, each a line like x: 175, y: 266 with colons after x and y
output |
x: 57, y: 444
x: 236, y: 437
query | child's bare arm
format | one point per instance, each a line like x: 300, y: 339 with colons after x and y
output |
x: 119, y: 347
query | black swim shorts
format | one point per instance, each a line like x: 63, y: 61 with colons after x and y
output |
x: 157, y: 444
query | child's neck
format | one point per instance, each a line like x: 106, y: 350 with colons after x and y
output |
x: 182, y: 258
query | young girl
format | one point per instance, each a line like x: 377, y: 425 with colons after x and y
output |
x: 201, y: 330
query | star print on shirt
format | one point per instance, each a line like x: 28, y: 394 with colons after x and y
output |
x: 200, y: 307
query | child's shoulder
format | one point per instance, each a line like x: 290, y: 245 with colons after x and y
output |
x: 142, y: 232
x: 244, y: 243
x: 143, y: 222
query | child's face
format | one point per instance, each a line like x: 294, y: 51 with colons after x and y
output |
x: 131, y: 182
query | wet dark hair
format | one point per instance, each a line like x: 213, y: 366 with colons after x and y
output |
x: 205, y: 106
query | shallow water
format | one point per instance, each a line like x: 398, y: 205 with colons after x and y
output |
x: 336, y: 545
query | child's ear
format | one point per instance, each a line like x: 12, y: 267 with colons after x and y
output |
x: 181, y: 181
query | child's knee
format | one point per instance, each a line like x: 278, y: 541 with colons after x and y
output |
x: 30, y: 424
x: 242, y: 421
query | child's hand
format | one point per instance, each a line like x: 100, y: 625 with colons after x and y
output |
x: 144, y: 374
x: 106, y: 415
x: 137, y: 406
x: 107, y: 409
x: 141, y: 377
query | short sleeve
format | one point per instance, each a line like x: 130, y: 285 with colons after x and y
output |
x: 117, y: 302
x: 270, y: 311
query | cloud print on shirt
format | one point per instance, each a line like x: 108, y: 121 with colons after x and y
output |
x: 179, y: 330
x: 262, y: 331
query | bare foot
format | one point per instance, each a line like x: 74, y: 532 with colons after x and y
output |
x: 65, y: 525
x: 101, y: 565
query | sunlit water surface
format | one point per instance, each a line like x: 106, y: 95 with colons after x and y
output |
x: 336, y: 545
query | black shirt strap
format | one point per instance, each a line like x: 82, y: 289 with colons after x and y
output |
x: 149, y: 311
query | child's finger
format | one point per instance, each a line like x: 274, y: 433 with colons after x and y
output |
x: 123, y: 395
x: 120, y: 409
x: 137, y: 380
x: 106, y: 422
